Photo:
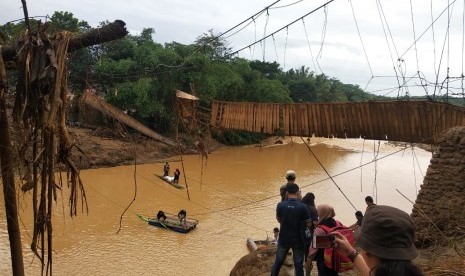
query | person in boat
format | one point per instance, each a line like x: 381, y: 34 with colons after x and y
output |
x: 291, y: 215
x: 166, y: 169
x: 161, y: 215
x: 387, y: 242
x: 182, y: 215
x: 177, y: 173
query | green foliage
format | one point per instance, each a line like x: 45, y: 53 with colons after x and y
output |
x: 141, y: 76
x: 65, y: 21
x: 213, y: 46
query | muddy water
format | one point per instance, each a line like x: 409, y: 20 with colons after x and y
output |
x: 234, y: 197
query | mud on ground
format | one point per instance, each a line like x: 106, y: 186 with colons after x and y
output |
x: 440, y: 260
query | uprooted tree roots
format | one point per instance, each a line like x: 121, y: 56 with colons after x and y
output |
x: 39, y: 119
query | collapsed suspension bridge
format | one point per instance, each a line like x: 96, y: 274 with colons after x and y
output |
x: 408, y: 121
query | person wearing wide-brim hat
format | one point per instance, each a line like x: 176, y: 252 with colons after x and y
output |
x: 386, y: 239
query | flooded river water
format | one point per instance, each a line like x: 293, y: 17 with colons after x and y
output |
x: 234, y: 197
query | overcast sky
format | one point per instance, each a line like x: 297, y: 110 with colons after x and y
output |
x: 326, y: 41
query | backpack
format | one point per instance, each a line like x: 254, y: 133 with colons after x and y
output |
x: 334, y: 260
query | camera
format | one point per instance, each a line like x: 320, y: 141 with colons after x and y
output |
x: 323, y: 241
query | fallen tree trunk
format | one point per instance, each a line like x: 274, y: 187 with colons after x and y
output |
x: 110, y: 32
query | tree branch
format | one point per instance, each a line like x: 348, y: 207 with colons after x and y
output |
x: 110, y: 32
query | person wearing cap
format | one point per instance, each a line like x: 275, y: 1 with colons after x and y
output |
x: 291, y: 215
x: 387, y: 242
x: 290, y: 177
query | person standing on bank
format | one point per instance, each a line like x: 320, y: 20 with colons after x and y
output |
x: 290, y: 177
x: 292, y: 215
x: 369, y: 201
x: 309, y: 201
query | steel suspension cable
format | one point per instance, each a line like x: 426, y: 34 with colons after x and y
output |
x: 332, y: 179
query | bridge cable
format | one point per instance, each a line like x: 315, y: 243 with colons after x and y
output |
x: 361, y: 168
x: 414, y: 172
x: 375, y: 157
x: 360, y: 37
x: 332, y: 179
x: 280, y: 29
x: 463, y: 41
x: 285, y: 48
x: 323, y: 32
x: 264, y: 33
x: 287, y: 5
x: 315, y: 182
x: 416, y: 50
x: 310, y: 48
x: 442, y: 53
x: 387, y: 43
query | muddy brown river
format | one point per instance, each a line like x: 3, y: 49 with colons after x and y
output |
x: 234, y: 197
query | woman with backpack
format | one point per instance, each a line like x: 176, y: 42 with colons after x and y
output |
x: 327, y: 224
x: 387, y: 242
x: 309, y: 201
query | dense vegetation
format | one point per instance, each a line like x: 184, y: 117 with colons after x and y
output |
x: 136, y: 73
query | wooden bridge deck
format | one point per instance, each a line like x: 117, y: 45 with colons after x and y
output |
x: 409, y: 121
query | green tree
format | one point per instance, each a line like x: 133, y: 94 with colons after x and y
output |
x: 213, y: 45
x: 65, y: 21
x: 269, y: 70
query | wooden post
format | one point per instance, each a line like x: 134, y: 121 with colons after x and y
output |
x: 9, y: 190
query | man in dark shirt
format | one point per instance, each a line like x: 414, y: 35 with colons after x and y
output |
x: 369, y: 201
x: 292, y: 215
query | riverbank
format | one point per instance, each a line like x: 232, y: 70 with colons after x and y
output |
x: 104, y: 147
x: 435, y: 261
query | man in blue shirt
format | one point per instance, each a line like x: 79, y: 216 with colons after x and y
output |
x: 292, y: 215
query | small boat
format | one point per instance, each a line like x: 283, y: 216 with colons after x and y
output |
x: 254, y: 245
x: 169, y: 179
x: 171, y: 222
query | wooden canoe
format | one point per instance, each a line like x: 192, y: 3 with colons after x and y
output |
x: 171, y: 222
x: 169, y: 181
x: 254, y: 245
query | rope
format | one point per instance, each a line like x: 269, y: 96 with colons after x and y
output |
x: 318, y: 160
x: 310, y: 48
x: 285, y: 48
x: 360, y: 36
x: 135, y: 193
x: 184, y: 173
x: 414, y: 172
x: 375, y: 156
x: 361, y: 168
